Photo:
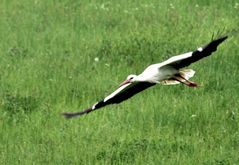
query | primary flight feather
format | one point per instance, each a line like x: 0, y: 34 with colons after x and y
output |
x: 168, y: 72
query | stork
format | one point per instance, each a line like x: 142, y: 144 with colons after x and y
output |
x: 168, y: 72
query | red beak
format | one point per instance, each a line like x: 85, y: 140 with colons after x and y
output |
x: 125, y: 82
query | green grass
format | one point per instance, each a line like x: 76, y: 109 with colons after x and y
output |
x: 47, y: 66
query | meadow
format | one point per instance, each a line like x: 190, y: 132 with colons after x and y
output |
x: 59, y: 56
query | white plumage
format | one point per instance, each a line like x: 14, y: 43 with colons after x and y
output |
x: 168, y: 72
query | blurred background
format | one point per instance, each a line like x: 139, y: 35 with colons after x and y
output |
x: 60, y: 55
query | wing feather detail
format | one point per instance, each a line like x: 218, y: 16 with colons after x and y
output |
x: 186, y: 59
x: 119, y: 95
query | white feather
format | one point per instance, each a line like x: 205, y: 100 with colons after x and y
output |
x: 116, y: 92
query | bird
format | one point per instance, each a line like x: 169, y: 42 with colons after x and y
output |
x: 169, y: 72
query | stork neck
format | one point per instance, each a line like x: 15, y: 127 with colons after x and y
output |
x: 139, y: 78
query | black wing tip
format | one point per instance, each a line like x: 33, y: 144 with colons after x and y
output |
x: 69, y: 115
x: 214, y: 44
x: 221, y: 39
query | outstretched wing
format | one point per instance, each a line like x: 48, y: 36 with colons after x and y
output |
x: 186, y: 59
x: 122, y: 93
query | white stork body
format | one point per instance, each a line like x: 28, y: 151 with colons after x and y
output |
x: 168, y: 72
x: 156, y: 73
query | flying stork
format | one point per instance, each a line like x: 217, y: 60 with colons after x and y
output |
x: 168, y: 72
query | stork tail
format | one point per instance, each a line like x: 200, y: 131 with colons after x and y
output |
x: 183, y: 77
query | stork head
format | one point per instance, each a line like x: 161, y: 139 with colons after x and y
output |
x: 131, y: 78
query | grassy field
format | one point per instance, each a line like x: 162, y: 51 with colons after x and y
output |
x: 49, y: 52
